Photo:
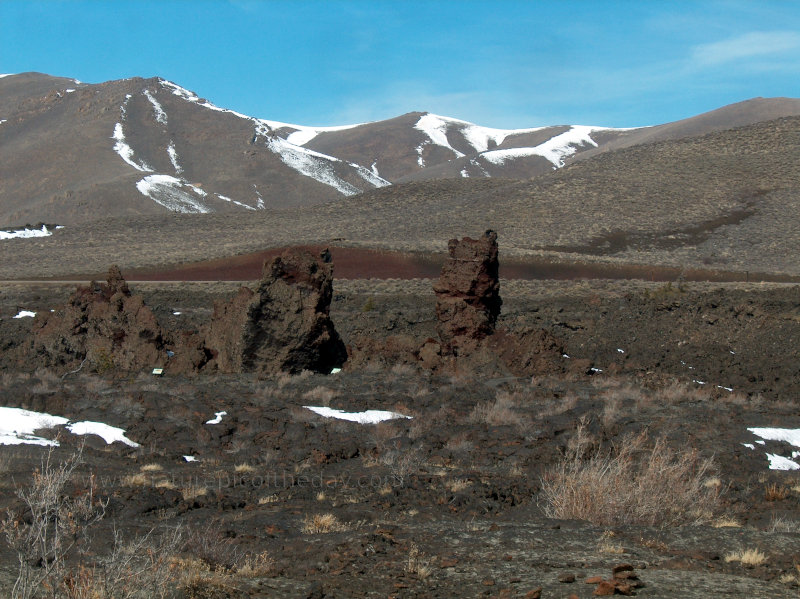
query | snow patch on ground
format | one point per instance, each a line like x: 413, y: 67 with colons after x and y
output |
x: 168, y: 192
x: 17, y: 427
x: 777, y: 462
x: 25, y: 314
x: 217, y: 418
x: 366, y: 417
x: 158, y: 111
x: 785, y: 435
x: 556, y: 149
x: 109, y: 434
x: 26, y: 233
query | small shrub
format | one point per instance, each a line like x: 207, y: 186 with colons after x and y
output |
x: 636, y: 484
x: 775, y: 492
x: 747, y: 557
x: 322, y: 524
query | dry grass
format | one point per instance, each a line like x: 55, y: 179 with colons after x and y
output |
x: 319, y: 395
x: 636, y: 483
x: 747, y: 557
x: 243, y: 468
x: 458, y: 485
x: 775, y: 492
x: 322, y: 524
x: 726, y: 522
x: 500, y: 412
x: 266, y: 499
x: 417, y: 563
x: 151, y: 468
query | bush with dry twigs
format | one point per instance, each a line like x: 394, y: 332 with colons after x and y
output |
x: 51, y: 538
x: 638, y: 482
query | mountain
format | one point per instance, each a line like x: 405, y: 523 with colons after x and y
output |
x: 72, y: 152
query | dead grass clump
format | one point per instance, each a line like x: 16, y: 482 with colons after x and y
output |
x: 322, y: 524
x: 636, y: 483
x: 500, y: 412
x: 775, y: 492
x: 747, y: 557
x: 320, y: 395
x: 417, y: 563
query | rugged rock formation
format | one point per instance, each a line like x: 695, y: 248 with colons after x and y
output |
x: 102, y: 324
x: 468, y: 293
x: 284, y: 325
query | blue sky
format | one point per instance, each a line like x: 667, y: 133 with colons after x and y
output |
x: 501, y: 63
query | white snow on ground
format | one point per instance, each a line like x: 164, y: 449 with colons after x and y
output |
x: 26, y: 233
x: 217, y: 418
x: 190, y: 458
x: 108, y: 433
x: 6, y: 75
x: 370, y: 176
x: 232, y: 201
x: 25, y: 314
x: 749, y: 445
x: 167, y: 191
x: 260, y: 201
x: 17, y: 427
x: 69, y: 91
x: 158, y: 111
x: 464, y: 173
x: 786, y: 435
x: 312, y: 164
x: 125, y: 151
x: 556, y: 149
x: 777, y: 462
x: 420, y: 159
x: 366, y: 417
x: 173, y: 157
x: 3, y: 121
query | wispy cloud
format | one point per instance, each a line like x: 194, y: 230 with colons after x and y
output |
x: 755, y: 44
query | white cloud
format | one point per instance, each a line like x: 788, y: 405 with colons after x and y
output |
x: 748, y: 45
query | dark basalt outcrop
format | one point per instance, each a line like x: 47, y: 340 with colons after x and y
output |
x: 102, y: 324
x: 468, y: 292
x: 282, y: 326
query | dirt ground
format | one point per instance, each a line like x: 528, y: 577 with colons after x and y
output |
x: 452, y: 501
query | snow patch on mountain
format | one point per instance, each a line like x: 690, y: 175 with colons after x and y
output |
x: 6, y: 75
x: 232, y: 201
x: 173, y: 157
x: 304, y: 134
x: 556, y: 149
x: 158, y: 111
x: 192, y: 97
x: 435, y: 127
x: 312, y: 164
x: 122, y: 148
x: 168, y: 192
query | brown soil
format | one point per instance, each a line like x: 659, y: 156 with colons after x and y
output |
x: 362, y: 263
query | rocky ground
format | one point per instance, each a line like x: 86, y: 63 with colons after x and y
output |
x: 458, y: 499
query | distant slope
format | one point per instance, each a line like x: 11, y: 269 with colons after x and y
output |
x: 75, y: 152
x: 72, y: 152
x: 728, y: 200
